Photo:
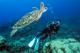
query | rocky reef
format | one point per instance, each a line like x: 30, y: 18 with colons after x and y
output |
x: 66, y: 45
x: 69, y: 45
x: 3, y: 45
x: 15, y: 46
x: 65, y: 41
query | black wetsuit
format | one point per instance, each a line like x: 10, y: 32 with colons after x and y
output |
x: 53, y: 28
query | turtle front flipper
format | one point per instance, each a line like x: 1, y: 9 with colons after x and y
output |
x: 34, y: 8
x: 43, y: 8
x: 41, y: 5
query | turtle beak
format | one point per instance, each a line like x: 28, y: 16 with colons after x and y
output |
x: 45, y: 9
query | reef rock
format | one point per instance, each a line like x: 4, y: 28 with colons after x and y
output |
x: 18, y: 46
x: 3, y: 45
x: 2, y: 40
x: 62, y: 46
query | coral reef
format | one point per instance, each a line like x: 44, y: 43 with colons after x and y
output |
x: 2, y: 40
x: 62, y: 42
x: 69, y: 45
x: 15, y: 46
x: 3, y: 45
x: 66, y: 45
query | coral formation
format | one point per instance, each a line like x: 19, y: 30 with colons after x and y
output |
x: 3, y: 45
x: 15, y: 46
x: 62, y: 46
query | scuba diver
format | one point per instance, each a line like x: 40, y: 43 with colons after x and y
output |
x: 52, y: 28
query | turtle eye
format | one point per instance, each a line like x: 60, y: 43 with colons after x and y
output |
x: 46, y: 8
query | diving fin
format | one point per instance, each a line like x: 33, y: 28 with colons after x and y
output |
x: 32, y: 42
x: 37, y: 44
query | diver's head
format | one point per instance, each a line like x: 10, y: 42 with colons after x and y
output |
x: 57, y: 22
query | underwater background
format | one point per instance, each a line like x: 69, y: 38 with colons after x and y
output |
x: 68, y: 11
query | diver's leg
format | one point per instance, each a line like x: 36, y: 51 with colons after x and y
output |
x: 44, y: 37
x: 49, y: 37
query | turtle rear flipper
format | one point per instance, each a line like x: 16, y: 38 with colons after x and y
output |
x: 13, y: 32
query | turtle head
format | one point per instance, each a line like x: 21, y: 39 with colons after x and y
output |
x: 42, y: 7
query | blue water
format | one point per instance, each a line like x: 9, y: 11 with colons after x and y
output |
x: 67, y: 10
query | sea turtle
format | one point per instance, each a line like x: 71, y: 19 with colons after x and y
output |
x: 27, y: 19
